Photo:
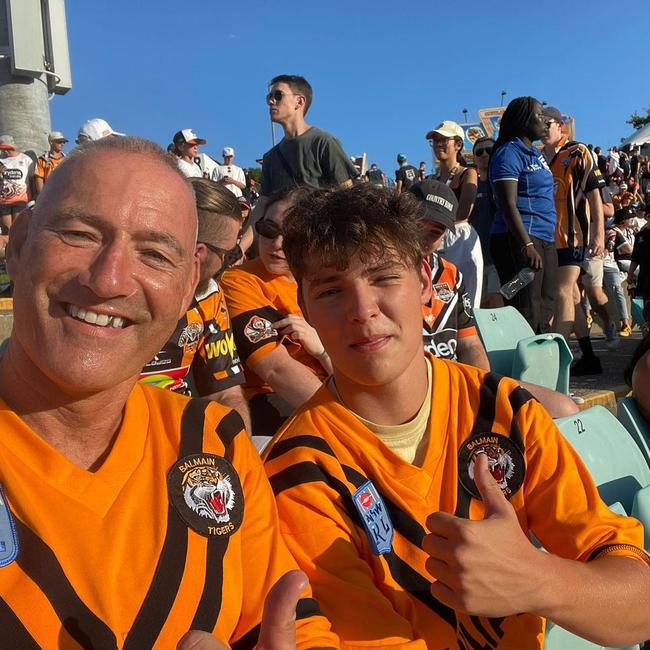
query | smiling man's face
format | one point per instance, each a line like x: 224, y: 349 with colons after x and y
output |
x: 103, y: 269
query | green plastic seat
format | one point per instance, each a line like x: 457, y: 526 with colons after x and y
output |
x: 638, y: 427
x: 622, y: 475
x: 611, y: 455
x: 544, y: 360
x: 515, y: 351
x: 557, y: 638
x: 637, y: 312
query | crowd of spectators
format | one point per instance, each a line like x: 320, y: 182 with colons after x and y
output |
x: 329, y: 318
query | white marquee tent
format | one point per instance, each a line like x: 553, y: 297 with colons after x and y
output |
x: 640, y: 137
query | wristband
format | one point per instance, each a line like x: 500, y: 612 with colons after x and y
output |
x: 525, y: 246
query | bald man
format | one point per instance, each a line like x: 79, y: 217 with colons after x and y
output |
x: 126, y: 511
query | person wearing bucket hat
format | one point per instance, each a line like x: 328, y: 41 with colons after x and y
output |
x: 49, y: 161
x: 231, y: 176
x: 448, y: 327
x: 16, y: 180
x: 406, y: 175
x: 186, y: 148
x: 461, y: 243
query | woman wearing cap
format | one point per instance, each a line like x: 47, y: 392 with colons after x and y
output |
x: 461, y: 245
x: 523, y: 231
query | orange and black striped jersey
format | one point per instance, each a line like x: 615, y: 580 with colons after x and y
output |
x: 202, y: 344
x: 448, y: 315
x: 177, y: 530
x: 257, y: 299
x: 353, y: 512
x: 575, y: 173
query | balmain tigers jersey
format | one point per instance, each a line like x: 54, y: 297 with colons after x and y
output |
x: 177, y: 530
x: 257, y: 299
x: 202, y: 344
x: 448, y: 315
x: 353, y: 512
x: 575, y: 173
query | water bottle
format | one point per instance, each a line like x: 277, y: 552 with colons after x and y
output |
x: 514, y: 286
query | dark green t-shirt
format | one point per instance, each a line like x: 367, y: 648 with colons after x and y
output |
x: 314, y: 158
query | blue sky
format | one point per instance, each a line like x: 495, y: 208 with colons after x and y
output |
x: 383, y: 73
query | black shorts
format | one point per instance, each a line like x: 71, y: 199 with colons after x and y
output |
x: 571, y: 256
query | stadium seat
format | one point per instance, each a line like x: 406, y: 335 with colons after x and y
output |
x: 544, y: 360
x: 637, y: 312
x: 630, y: 417
x: 616, y: 463
x: 515, y: 351
x: 557, y: 638
x: 622, y: 475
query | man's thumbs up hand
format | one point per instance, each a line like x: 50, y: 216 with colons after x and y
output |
x: 278, y: 628
x: 487, y: 567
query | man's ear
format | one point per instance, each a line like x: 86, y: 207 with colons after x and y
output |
x: 17, y: 238
x: 425, y: 282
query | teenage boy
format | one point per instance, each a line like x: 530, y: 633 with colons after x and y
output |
x: 399, y: 442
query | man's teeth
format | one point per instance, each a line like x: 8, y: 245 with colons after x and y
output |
x: 93, y: 318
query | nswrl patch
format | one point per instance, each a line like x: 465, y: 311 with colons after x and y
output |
x: 8, y: 538
x: 206, y: 492
x: 375, y: 517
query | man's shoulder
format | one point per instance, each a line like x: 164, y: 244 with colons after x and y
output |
x: 169, y: 409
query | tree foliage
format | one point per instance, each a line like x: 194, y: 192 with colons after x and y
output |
x: 637, y: 121
x: 255, y: 173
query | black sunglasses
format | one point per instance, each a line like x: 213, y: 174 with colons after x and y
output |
x: 222, y: 252
x: 483, y: 151
x: 268, y: 229
x: 277, y: 96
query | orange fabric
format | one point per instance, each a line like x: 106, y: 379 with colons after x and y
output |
x: 324, y: 454
x: 90, y: 543
x: 45, y: 165
x: 256, y: 299
x: 448, y: 315
x: 574, y: 173
x: 202, y: 344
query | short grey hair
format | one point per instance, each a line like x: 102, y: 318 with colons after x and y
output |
x: 126, y: 144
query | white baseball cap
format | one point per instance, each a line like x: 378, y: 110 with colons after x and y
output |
x: 187, y: 136
x: 56, y: 136
x: 95, y: 129
x: 447, y: 129
x: 228, y: 151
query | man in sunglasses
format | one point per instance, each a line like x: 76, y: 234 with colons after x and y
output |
x: 200, y: 358
x: 306, y: 155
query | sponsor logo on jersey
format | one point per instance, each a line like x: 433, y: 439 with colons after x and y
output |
x: 190, y: 336
x: 441, y: 344
x: 505, y: 462
x: 257, y: 329
x: 443, y: 292
x: 375, y: 518
x: 206, y: 492
x: 224, y: 347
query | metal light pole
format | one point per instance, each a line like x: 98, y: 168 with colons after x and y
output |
x: 503, y: 95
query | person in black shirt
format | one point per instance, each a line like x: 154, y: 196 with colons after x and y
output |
x: 376, y: 176
x: 406, y: 175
